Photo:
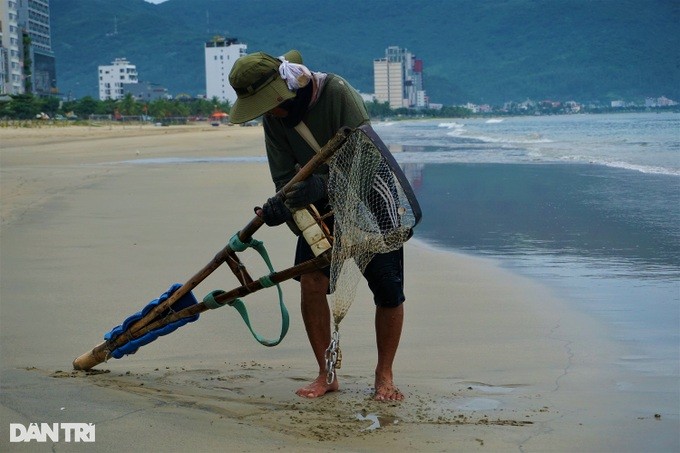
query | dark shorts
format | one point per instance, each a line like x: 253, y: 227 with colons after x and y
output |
x: 384, y: 274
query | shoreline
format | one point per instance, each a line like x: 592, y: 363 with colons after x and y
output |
x: 489, y: 360
x: 538, y: 149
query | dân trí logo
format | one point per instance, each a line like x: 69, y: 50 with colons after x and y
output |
x: 55, y: 432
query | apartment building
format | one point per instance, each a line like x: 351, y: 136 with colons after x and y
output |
x: 398, y: 79
x: 114, y: 77
x: 34, y: 18
x: 220, y: 55
x: 11, y: 50
x: 27, y: 63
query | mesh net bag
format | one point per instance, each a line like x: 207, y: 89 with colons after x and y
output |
x: 375, y: 211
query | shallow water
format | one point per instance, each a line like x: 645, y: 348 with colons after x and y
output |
x: 589, y: 204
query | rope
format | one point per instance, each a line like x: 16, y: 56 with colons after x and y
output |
x: 237, y: 245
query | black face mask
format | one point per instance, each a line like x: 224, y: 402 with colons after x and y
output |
x: 297, y: 106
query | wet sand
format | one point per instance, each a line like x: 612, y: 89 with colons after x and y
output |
x: 489, y: 361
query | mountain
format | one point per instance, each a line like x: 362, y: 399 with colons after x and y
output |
x: 488, y: 51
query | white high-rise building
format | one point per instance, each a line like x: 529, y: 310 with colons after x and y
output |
x: 113, y: 76
x: 220, y: 55
x: 26, y: 59
x: 11, y: 50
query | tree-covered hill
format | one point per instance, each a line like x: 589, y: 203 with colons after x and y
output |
x: 478, y: 51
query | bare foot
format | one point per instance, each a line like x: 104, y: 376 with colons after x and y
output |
x: 318, y: 388
x: 387, y: 391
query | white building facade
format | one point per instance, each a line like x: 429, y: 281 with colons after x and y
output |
x: 27, y: 62
x: 113, y: 77
x: 220, y: 55
x: 11, y: 50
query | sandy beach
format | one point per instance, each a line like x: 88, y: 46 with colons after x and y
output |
x: 97, y: 221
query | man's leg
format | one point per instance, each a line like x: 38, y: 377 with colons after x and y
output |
x: 385, y: 277
x: 388, y: 326
x: 317, y: 319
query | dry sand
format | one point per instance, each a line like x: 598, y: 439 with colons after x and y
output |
x: 489, y: 361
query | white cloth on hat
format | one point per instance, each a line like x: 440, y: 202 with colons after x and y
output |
x: 295, y: 75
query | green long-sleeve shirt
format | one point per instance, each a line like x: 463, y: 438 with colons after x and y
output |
x: 338, y: 105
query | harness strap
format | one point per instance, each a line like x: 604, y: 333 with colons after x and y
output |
x: 238, y: 246
x: 307, y: 135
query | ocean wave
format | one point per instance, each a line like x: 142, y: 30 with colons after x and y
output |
x: 514, y: 157
x: 643, y: 168
x: 452, y: 125
x: 528, y: 140
x: 649, y: 169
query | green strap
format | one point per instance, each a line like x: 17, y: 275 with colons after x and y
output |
x: 210, y: 301
x: 238, y: 246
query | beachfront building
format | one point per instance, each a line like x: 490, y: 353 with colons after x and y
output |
x: 34, y: 19
x: 113, y: 77
x: 146, y: 91
x: 220, y: 55
x: 11, y: 50
x: 398, y: 79
x: 389, y: 82
x: 27, y: 62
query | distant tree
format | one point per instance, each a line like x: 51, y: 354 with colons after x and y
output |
x: 28, y: 63
x: 5, y: 108
x: 85, y: 107
x: 378, y: 109
x: 128, y: 105
x: 49, y: 105
x: 179, y: 109
x: 165, y: 108
x: 198, y: 107
x: 23, y: 107
x: 68, y: 106
x: 106, y: 107
x: 159, y: 108
x: 454, y: 112
x: 220, y: 106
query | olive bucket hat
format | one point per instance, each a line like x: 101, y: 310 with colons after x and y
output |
x: 258, y: 85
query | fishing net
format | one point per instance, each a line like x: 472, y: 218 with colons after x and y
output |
x: 374, y: 209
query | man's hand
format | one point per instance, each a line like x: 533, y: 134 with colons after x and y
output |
x: 306, y: 192
x: 274, y: 212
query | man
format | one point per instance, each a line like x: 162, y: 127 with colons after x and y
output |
x: 287, y: 93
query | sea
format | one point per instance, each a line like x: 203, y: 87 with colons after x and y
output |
x: 587, y: 204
